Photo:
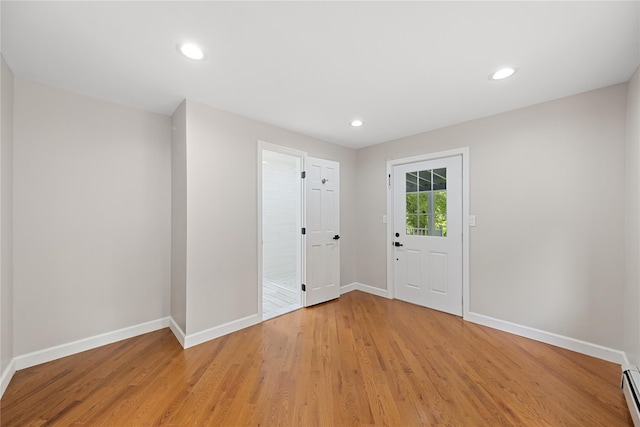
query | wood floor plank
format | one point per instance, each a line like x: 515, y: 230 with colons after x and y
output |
x: 357, y: 361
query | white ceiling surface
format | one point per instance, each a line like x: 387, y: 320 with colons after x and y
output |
x: 312, y: 67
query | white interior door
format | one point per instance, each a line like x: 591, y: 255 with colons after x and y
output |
x: 322, y: 184
x: 427, y: 212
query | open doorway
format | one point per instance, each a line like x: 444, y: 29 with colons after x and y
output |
x: 281, y: 237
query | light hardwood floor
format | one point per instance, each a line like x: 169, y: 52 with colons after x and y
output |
x: 359, y: 360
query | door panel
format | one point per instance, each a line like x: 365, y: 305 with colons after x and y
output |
x: 314, y: 224
x: 413, y: 268
x: 427, y: 203
x: 439, y: 281
x: 323, y: 224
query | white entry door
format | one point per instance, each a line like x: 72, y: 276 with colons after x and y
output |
x: 427, y: 212
x: 322, y: 184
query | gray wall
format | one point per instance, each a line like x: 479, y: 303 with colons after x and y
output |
x: 93, y: 205
x: 179, y: 217
x: 222, y: 282
x: 547, y: 185
x: 6, y: 216
x: 632, y: 232
x: 92, y: 209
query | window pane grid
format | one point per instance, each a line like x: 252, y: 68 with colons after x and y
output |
x: 426, y: 203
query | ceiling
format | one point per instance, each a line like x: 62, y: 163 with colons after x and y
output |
x: 312, y: 67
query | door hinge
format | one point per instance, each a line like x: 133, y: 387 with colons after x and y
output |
x: 303, y: 174
x: 304, y: 288
x: 304, y: 230
x: 389, y: 182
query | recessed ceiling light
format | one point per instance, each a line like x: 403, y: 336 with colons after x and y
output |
x: 357, y: 123
x: 191, y: 51
x: 502, y: 74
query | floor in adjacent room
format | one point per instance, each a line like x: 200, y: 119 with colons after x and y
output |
x: 278, y: 297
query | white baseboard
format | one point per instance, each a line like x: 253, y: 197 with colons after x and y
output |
x: 7, y: 374
x: 218, y: 331
x: 590, y: 349
x: 348, y: 288
x: 355, y: 286
x: 177, y: 331
x: 63, y: 350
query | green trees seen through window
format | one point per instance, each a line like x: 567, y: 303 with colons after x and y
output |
x: 426, y: 203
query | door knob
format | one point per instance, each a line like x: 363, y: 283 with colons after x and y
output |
x: 397, y: 244
x: 336, y: 237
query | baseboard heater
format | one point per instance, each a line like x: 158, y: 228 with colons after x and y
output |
x: 630, y: 387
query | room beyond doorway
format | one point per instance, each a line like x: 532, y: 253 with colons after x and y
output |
x: 281, y: 237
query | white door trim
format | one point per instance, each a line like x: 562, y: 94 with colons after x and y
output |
x: 262, y: 145
x: 464, y: 152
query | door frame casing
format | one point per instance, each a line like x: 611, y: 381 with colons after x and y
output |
x: 262, y: 146
x: 464, y: 153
